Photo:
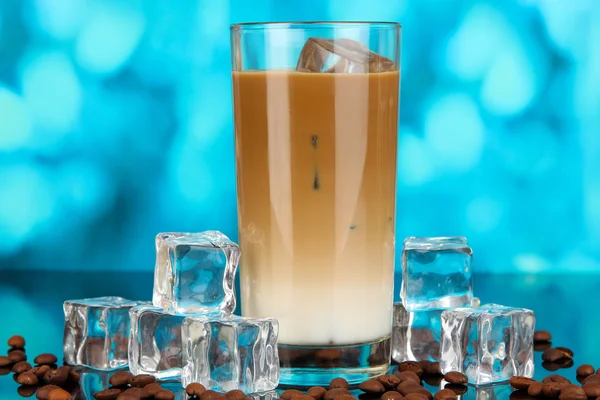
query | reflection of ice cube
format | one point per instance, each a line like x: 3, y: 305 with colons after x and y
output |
x: 416, y: 335
x: 91, y: 382
x: 475, y: 302
x: 341, y: 55
x: 97, y: 332
x: 488, y: 344
x: 195, y: 272
x: 488, y: 392
x: 436, y: 273
x: 231, y: 353
x: 155, y: 342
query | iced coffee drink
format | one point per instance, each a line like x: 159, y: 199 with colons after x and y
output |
x: 316, y: 174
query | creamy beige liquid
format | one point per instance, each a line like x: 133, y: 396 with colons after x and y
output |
x: 316, y: 165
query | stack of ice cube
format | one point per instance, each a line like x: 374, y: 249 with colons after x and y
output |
x: 436, y: 275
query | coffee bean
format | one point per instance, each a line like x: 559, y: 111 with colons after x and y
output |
x: 5, y: 361
x: 416, y: 396
x: 17, y: 356
x: 567, y: 351
x: 458, y: 389
x: 424, y: 365
x: 371, y: 386
x: 445, y: 394
x: 339, y: 383
x: 107, y: 394
x: 433, y: 369
x: 412, y: 366
x: 389, y: 381
x: 341, y: 397
x: 433, y: 380
x: 406, y: 388
x: 585, y: 370
x: 45, y: 359
x: 552, y: 389
x: 40, y: 370
x: 535, y: 389
x: 542, y: 336
x: 572, y: 392
x: 334, y: 393
x: 26, y: 391
x: 4, y: 371
x: 408, y: 376
x: 20, y: 367
x: 520, y: 395
x: 289, y: 394
x: 317, y: 392
x: 150, y: 390
x: 44, y: 391
x: 212, y: 395
x: 27, y: 378
x: 554, y: 354
x: 520, y: 382
x: 541, y: 346
x: 592, y: 379
x: 194, y: 389
x: 391, y: 395
x: 120, y: 378
x: 141, y: 380
x: 128, y: 396
x: 555, y: 366
x: 74, y: 376
x: 164, y: 395
x: 598, y: 371
x: 592, y: 389
x: 235, y: 395
x: 59, y: 394
x: 131, y: 393
x: 455, y: 377
x: 16, y: 342
x: 58, y: 376
x: 557, y: 379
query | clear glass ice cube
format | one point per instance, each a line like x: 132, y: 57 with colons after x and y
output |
x: 436, y: 273
x: 155, y: 342
x: 230, y: 353
x: 195, y: 272
x: 97, y: 331
x: 489, y: 344
x: 416, y: 334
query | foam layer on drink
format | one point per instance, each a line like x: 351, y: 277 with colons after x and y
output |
x: 316, y: 160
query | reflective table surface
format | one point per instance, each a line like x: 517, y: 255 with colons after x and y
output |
x: 565, y: 305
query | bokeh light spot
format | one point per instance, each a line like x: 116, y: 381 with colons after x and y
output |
x: 15, y: 123
x: 60, y: 19
x: 415, y: 163
x: 483, y: 214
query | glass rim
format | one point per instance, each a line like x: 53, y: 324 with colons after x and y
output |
x: 314, y: 24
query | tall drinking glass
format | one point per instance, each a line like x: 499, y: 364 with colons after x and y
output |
x: 316, y: 116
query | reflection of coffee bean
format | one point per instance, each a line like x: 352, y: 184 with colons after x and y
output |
x: 21, y: 367
x: 289, y: 394
x: 389, y: 381
x: 328, y: 354
x: 535, y: 389
x: 433, y: 369
x: 16, y: 342
x: 107, y: 394
x: 455, y: 377
x: 412, y: 366
x: 44, y: 391
x: 520, y: 382
x: 317, y: 392
x: 458, y: 389
x: 391, y: 395
x: 372, y: 386
x: 433, y: 380
x: 445, y: 394
x: 5, y: 361
x: 585, y: 370
x: 339, y: 383
x: 542, y: 336
x: 26, y: 391
x: 541, y: 346
x: 17, y: 356
x: 27, y: 378
x: 555, y: 366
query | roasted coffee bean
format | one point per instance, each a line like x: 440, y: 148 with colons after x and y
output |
x: 389, y: 381
x: 408, y: 376
x: 433, y: 380
x: 340, y: 397
x: 194, y: 389
x: 339, y: 383
x: 27, y: 378
x: 572, y: 392
x: 40, y: 370
x: 5, y: 361
x: 567, y: 351
x: 535, y: 389
x: 317, y: 392
x: 553, y: 355
x: 458, y: 389
x: 26, y: 391
x: 433, y: 369
x: 416, y: 396
x: 542, y: 336
x: 557, y: 379
x: 17, y: 356
x: 45, y: 359
x: 552, y: 389
x: 555, y: 366
x: 424, y: 365
x: 58, y: 376
x: 74, y: 376
x: 520, y: 382
x: 585, y: 370
x: 59, y: 394
x: 391, y: 395
x: 412, y: 366
x: 406, y: 388
x: 128, y: 396
x: 592, y: 389
x: 141, y: 380
x: 445, y: 394
x: 120, y: 378
x: 4, y: 371
x: 598, y: 371
x: 20, y: 367
x: 212, y: 395
x: 150, y: 390
x: 455, y: 377
x: 235, y: 395
x: 107, y: 394
x: 289, y: 394
x: 372, y: 386
x: 164, y: 395
x: 16, y: 342
x: 541, y: 346
x: 334, y: 393
x: 44, y: 391
x: 595, y: 379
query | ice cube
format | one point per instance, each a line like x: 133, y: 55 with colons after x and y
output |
x: 97, y: 331
x: 91, y: 382
x: 436, y: 273
x: 155, y: 342
x: 231, y: 352
x: 489, y: 344
x: 195, y: 272
x: 416, y: 335
x: 340, y: 55
x: 488, y: 392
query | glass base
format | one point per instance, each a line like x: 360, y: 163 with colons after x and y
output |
x: 318, y: 365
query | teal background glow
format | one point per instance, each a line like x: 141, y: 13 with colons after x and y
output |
x: 116, y: 124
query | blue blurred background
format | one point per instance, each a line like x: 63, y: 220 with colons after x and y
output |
x: 116, y: 124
